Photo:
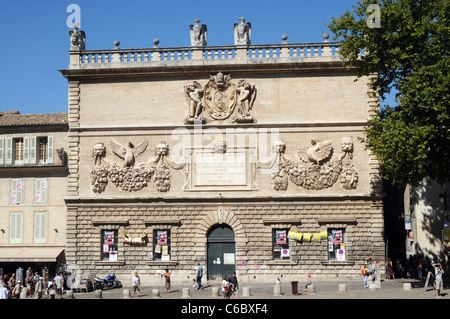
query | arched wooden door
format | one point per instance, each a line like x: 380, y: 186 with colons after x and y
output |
x: 221, y: 252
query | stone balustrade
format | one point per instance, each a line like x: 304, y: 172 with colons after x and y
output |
x: 156, y: 56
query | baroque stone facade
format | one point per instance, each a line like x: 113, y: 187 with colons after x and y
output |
x: 215, y: 159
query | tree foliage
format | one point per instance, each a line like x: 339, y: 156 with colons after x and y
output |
x: 409, y: 53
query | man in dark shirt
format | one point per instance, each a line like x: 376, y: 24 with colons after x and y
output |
x: 234, y: 285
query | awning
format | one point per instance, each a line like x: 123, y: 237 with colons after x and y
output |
x: 30, y: 254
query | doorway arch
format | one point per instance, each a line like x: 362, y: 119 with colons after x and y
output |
x: 221, y: 252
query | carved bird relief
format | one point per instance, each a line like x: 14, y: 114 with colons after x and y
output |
x: 317, y: 153
x: 128, y: 152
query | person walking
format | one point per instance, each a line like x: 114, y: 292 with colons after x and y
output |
x: 365, y: 274
x: 225, y: 288
x: 234, y: 285
x: 438, y: 271
x: 59, y: 280
x: 390, y: 269
x: 378, y: 272
x: 52, y: 289
x: 40, y: 287
x: 17, y: 290
x: 167, y: 280
x: 3, y: 290
x: 136, y: 284
x: 199, y: 275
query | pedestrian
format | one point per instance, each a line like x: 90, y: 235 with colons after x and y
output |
x: 389, y: 269
x: 378, y: 272
x: 234, y: 285
x: 420, y: 267
x: 59, y: 285
x: 198, y: 276
x: 29, y: 282
x: 17, y: 290
x: 136, y: 284
x: 364, y: 274
x: 3, y: 291
x: 12, y: 282
x: 52, y: 289
x: 225, y: 288
x: 40, y: 287
x: 309, y: 282
x: 167, y: 280
x: 438, y: 271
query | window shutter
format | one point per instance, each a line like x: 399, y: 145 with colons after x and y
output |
x: 50, y: 150
x: 16, y: 191
x: 40, y: 227
x: 26, y: 151
x: 2, y: 151
x: 41, y: 190
x: 9, y: 151
x: 15, y: 227
x: 32, y: 150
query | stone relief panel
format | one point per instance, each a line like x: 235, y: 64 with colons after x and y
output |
x: 128, y: 176
x: 220, y: 101
x: 315, y: 168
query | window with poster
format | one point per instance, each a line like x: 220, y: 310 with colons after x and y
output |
x: 110, y: 245
x: 336, y: 244
x: 280, y: 244
x: 161, y: 244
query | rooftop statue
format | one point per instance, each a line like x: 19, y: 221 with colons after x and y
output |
x: 77, y: 38
x: 242, y: 32
x: 199, y: 34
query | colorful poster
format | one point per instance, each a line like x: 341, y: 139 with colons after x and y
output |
x: 161, y: 237
x: 106, y: 248
x: 281, y: 237
x: 336, y: 236
x: 109, y: 238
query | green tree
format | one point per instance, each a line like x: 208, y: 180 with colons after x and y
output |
x: 406, y: 44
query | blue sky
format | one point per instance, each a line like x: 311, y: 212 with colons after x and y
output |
x: 34, y: 37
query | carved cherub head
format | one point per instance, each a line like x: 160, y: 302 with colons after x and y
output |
x: 279, y: 147
x: 99, y: 150
x: 220, y: 147
x: 162, y: 149
x: 347, y: 144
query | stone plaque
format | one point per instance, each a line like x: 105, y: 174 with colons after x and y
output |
x: 220, y: 169
x: 214, y: 171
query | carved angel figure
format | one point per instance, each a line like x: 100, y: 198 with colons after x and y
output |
x: 246, y: 98
x: 194, y: 94
x: 77, y: 38
x: 242, y: 32
x: 128, y: 152
x: 317, y: 153
x: 199, y: 34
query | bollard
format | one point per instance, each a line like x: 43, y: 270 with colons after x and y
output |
x: 186, y: 292
x: 407, y: 286
x: 215, y: 291
x: 155, y: 293
x: 69, y: 294
x: 277, y: 290
x: 126, y: 294
x: 342, y: 288
x: 98, y: 294
x: 246, y: 292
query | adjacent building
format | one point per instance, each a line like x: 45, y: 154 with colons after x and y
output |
x: 33, y: 184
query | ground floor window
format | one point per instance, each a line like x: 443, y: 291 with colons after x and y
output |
x: 161, y: 244
x: 336, y: 244
x: 280, y: 244
x: 110, y: 245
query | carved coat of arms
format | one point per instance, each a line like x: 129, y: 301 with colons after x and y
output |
x: 220, y: 100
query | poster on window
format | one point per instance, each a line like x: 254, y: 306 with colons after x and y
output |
x: 113, y: 256
x: 161, y: 237
x: 109, y: 238
x: 281, y: 237
x: 336, y: 236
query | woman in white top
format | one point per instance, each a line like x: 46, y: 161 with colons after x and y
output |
x: 225, y: 288
x: 136, y: 284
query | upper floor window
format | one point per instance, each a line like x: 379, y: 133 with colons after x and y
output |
x: 28, y: 150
